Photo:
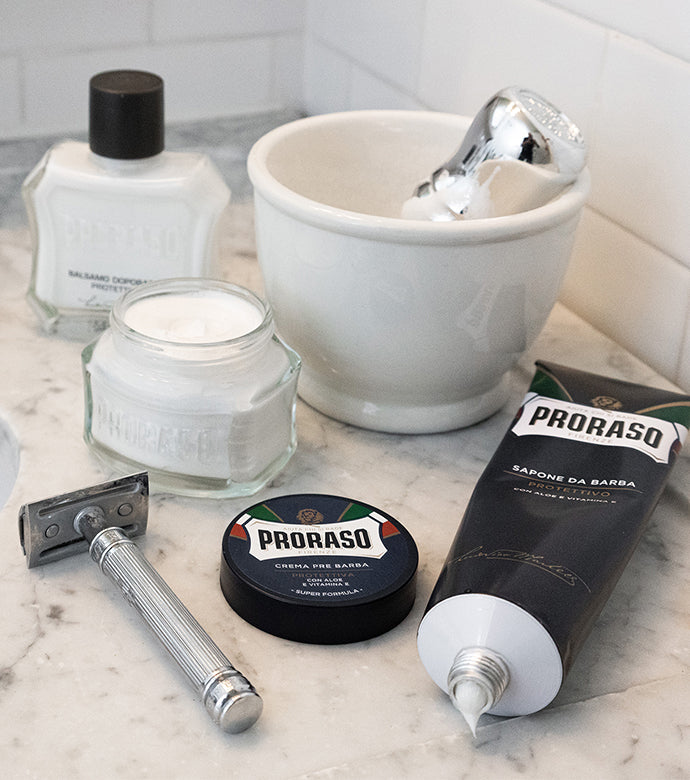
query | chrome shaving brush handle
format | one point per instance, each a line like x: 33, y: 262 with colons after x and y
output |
x: 515, y: 126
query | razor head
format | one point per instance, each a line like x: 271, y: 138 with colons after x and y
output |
x: 47, y: 529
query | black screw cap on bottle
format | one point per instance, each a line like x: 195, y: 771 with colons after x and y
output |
x: 126, y: 114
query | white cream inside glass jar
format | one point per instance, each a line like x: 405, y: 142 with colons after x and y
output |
x: 191, y: 383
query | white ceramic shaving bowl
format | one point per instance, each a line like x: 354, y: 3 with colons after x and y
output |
x: 403, y: 326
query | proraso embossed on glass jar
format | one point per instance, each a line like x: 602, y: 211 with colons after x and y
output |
x: 191, y: 383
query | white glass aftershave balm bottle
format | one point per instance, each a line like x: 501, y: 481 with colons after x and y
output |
x: 118, y: 211
x: 190, y: 383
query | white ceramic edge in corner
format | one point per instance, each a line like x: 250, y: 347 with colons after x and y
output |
x: 9, y: 460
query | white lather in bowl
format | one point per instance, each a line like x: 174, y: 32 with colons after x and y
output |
x: 404, y: 326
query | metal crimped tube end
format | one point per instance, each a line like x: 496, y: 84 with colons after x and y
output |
x: 231, y: 701
x: 476, y: 682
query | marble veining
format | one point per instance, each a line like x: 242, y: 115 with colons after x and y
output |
x: 86, y: 692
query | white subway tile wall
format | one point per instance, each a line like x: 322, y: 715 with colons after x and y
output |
x: 620, y: 68
x: 218, y: 57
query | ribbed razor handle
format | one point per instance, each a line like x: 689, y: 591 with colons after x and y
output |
x: 228, y: 696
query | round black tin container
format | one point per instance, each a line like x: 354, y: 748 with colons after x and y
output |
x: 318, y: 568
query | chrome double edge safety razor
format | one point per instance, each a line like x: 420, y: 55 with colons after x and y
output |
x: 102, y: 519
x: 524, y: 148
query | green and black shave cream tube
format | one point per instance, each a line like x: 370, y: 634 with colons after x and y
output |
x: 549, y: 528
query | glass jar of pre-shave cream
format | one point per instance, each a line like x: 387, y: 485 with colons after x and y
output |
x: 191, y: 383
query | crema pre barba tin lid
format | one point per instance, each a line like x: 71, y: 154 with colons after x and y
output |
x: 318, y: 568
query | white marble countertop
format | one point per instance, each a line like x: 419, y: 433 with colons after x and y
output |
x: 85, y: 691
